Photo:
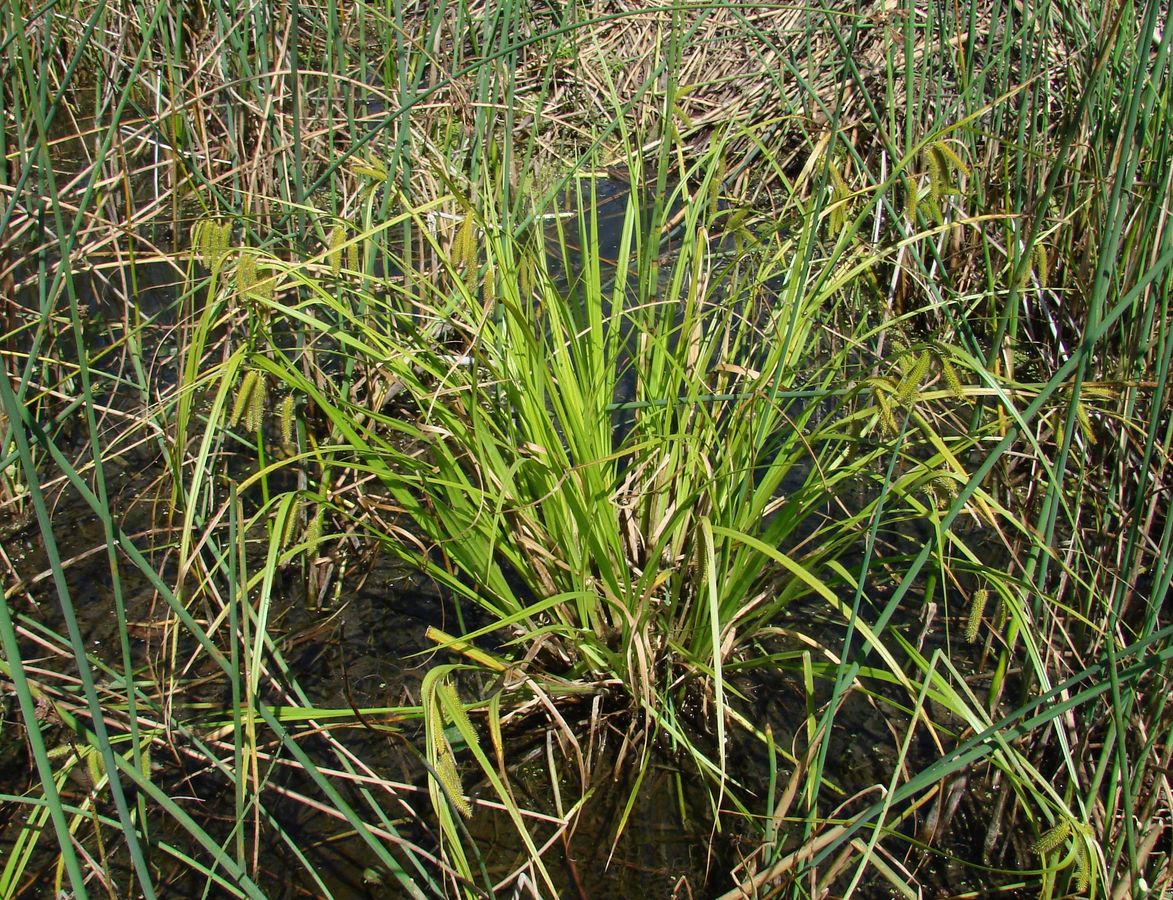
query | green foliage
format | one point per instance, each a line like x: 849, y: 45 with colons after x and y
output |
x: 883, y: 336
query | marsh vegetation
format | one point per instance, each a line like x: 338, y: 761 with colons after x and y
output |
x: 523, y: 449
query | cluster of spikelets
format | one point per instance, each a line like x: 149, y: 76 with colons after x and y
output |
x: 1081, y: 854
x: 253, y: 291
x: 894, y: 395
x: 252, y: 400
x: 446, y: 773
x: 251, y: 286
x: 211, y: 241
x: 341, y: 252
x: 945, y: 170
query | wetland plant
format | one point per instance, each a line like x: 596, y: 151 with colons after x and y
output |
x: 859, y: 394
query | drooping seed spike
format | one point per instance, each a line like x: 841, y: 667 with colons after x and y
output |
x: 243, y: 394
x: 334, y: 251
x: 352, y: 256
x: 909, y: 385
x: 313, y: 531
x: 1083, y: 865
x: 199, y: 239
x: 464, y: 254
x: 1085, y: 422
x: 258, y: 403
x: 1052, y: 837
x: 938, y: 178
x: 887, y: 416
x: 952, y: 380
x: 221, y: 236
x: 291, y: 523
x: 950, y: 158
x: 288, y: 406
x: 977, y: 608
x: 1042, y: 266
x: 455, y: 709
x: 911, y: 199
x: 450, y: 778
x: 246, y: 273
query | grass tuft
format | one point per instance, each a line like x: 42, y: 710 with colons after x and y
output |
x: 705, y: 360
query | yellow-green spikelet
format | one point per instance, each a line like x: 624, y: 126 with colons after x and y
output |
x: 888, y: 421
x: 952, y: 380
x: 464, y: 253
x: 287, y: 408
x: 909, y: 385
x: 314, y: 529
x: 335, y: 244
x: 449, y: 777
x: 1052, y: 837
x: 977, y: 608
x: 244, y: 392
x: 291, y: 523
x: 258, y: 403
